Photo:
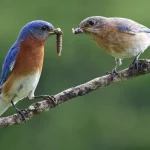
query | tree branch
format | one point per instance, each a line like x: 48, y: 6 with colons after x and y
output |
x: 100, y: 82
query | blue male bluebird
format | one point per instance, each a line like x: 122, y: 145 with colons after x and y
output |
x: 23, y: 64
x: 120, y: 37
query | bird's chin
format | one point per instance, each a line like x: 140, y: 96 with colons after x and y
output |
x: 90, y: 31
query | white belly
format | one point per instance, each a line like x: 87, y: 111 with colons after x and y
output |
x: 133, y: 46
x: 22, y: 87
x: 128, y: 53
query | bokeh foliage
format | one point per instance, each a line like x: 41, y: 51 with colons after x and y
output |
x: 113, y: 118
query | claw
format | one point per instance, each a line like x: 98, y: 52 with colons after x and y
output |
x: 50, y: 98
x: 114, y: 71
x: 19, y: 111
x: 21, y: 114
x: 112, y: 74
x: 135, y: 66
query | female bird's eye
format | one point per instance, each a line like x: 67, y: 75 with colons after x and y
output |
x: 43, y: 28
x: 91, y: 22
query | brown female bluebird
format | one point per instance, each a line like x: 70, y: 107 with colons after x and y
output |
x: 119, y: 37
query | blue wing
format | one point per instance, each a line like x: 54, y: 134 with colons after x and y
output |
x: 133, y: 29
x: 8, y: 63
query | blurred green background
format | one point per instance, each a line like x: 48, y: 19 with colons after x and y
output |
x: 116, y: 117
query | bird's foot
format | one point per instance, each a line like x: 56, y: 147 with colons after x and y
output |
x: 114, y: 71
x: 113, y: 74
x: 51, y: 98
x: 134, y: 66
x: 142, y: 65
x: 19, y: 112
x: 110, y: 73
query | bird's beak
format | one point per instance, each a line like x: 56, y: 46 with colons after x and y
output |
x: 77, y: 30
x: 51, y: 32
x: 55, y: 31
x: 58, y: 33
x: 81, y: 30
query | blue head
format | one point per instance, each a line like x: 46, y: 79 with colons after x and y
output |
x: 39, y: 29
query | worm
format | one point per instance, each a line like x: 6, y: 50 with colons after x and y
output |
x: 59, y: 44
x: 58, y: 40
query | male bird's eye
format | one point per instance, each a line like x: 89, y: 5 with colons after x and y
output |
x: 91, y: 22
x: 43, y: 28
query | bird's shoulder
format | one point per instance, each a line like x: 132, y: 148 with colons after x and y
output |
x: 129, y: 26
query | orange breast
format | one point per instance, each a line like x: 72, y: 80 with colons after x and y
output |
x: 111, y: 40
x: 28, y: 61
x: 30, y: 57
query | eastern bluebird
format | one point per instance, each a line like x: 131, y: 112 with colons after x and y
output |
x: 22, y: 66
x: 119, y: 37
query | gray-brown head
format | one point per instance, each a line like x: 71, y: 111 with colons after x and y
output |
x: 91, y: 25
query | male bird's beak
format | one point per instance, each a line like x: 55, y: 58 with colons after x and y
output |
x: 52, y: 32
x: 55, y: 31
x: 58, y: 33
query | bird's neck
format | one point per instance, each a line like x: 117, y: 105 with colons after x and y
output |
x: 32, y: 46
x: 31, y: 41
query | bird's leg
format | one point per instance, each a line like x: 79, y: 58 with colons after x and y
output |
x: 134, y: 64
x: 114, y: 71
x: 118, y: 63
x: 48, y: 97
x: 18, y: 111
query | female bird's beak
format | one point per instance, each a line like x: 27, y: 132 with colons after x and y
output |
x: 86, y: 30
x: 77, y: 30
x: 81, y: 30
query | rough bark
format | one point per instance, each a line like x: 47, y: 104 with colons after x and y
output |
x: 80, y: 90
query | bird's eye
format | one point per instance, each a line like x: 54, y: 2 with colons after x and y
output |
x: 44, y: 28
x: 91, y: 22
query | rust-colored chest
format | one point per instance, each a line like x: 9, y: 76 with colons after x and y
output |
x: 30, y: 57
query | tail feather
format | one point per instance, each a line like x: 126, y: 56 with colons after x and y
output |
x: 3, y: 106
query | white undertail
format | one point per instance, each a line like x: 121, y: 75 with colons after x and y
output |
x: 3, y: 106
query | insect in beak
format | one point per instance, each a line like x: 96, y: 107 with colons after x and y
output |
x: 58, y: 33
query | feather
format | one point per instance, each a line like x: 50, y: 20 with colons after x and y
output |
x: 9, y: 63
x: 133, y: 29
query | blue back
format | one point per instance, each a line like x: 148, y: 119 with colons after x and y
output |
x: 8, y: 62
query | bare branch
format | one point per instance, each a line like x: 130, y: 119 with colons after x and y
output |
x: 100, y: 82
